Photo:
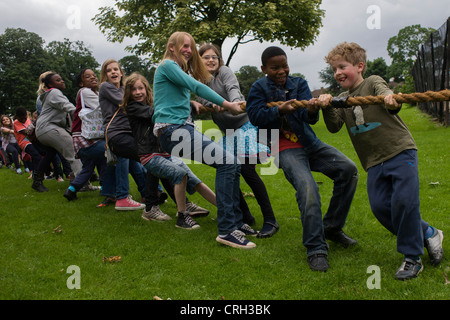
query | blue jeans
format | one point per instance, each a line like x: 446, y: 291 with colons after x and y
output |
x: 116, y: 181
x: 91, y: 157
x: 393, y: 190
x: 117, y: 177
x: 186, y: 142
x: 297, y: 165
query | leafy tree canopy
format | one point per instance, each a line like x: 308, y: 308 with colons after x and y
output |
x: 294, y: 23
x: 403, y: 49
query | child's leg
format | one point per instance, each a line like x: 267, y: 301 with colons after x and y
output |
x: 180, y: 194
x: 206, y: 193
x: 393, y: 189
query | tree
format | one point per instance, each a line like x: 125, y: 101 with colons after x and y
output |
x: 22, y: 59
x: 294, y: 23
x: 246, y: 76
x: 326, y: 76
x: 403, y: 49
x: 377, y: 67
x: 68, y: 58
x: 134, y: 63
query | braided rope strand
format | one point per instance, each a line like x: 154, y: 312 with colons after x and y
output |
x: 428, y: 96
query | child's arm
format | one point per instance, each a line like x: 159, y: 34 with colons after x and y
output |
x: 331, y: 116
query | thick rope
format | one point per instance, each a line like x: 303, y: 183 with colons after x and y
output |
x: 428, y: 96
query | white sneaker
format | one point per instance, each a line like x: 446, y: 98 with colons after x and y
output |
x: 156, y: 214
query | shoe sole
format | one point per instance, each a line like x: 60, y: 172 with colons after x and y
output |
x: 150, y: 219
x: 250, y: 245
x: 197, y: 226
x: 129, y: 208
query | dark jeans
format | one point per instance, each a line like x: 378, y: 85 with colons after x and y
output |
x: 91, y: 157
x: 297, y: 165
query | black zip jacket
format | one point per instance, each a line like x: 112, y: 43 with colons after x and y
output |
x: 140, y: 117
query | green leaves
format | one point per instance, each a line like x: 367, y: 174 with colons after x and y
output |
x: 292, y: 22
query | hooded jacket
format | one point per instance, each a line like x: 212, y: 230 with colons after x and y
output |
x: 57, y: 112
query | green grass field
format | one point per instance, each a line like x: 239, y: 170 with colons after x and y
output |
x: 157, y: 259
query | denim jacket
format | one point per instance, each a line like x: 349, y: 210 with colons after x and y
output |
x: 264, y: 91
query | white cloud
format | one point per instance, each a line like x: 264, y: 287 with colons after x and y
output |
x: 345, y: 20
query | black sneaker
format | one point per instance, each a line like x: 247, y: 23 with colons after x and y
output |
x: 106, y: 202
x: 236, y: 239
x: 248, y: 231
x: 339, y: 237
x: 409, y: 269
x: 70, y: 195
x: 184, y: 221
x: 318, y: 262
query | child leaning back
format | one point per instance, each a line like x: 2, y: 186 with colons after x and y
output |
x: 138, y: 105
x: 388, y: 153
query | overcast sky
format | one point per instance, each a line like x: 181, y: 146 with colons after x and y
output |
x: 370, y: 23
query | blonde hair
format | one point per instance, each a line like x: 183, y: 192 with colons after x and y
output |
x: 195, y: 65
x: 104, y: 76
x: 350, y: 52
x: 128, y: 87
x: 42, y: 87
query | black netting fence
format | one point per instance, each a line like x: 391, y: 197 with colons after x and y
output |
x: 431, y: 71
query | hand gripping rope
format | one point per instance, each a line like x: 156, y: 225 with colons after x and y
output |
x: 346, y: 102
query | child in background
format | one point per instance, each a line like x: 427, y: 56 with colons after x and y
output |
x: 9, y: 142
x: 90, y: 151
x: 388, y: 153
x: 301, y: 152
x: 138, y: 104
x: 116, y: 185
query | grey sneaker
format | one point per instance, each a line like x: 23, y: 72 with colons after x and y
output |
x: 248, y: 231
x: 195, y: 210
x: 184, y: 221
x: 156, y: 214
x: 434, y: 246
x: 409, y: 269
x: 236, y: 239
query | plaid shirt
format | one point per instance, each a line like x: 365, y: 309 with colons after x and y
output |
x: 79, y: 142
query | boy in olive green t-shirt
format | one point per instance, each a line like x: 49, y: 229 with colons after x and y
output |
x: 388, y: 153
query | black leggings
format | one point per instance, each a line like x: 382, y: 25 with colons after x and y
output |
x: 251, y: 177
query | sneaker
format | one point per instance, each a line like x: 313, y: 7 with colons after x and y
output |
x: 106, y: 202
x: 156, y: 214
x: 195, y: 210
x: 89, y: 187
x: 434, y: 246
x: 236, y: 240
x: 26, y: 170
x: 248, y: 231
x: 60, y: 179
x: 127, y: 204
x: 70, y: 195
x: 409, y: 269
x: 19, y: 171
x: 318, y: 262
x: 184, y: 221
